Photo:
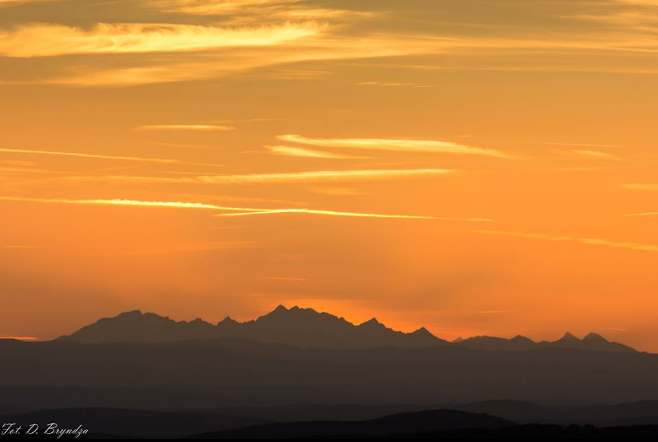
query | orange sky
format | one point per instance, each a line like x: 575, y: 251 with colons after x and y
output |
x: 474, y: 166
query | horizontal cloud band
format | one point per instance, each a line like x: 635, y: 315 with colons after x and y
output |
x: 240, y: 211
x: 393, y: 144
x: 57, y: 40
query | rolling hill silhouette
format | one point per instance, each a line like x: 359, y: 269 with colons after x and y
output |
x: 633, y: 413
x: 133, y: 423
x: 550, y: 432
x: 250, y: 422
x: 308, y: 328
x: 423, y: 421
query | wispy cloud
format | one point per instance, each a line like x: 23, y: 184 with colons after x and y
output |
x: 588, y: 153
x: 193, y: 67
x: 636, y: 15
x: 622, y: 330
x: 637, y: 2
x: 56, y: 40
x: 582, y: 145
x: 392, y: 84
x: 348, y: 214
x: 213, y: 7
x: 125, y: 202
x: 96, y: 156
x: 394, y: 144
x: 8, y: 2
x: 639, y: 215
x: 494, y: 312
x: 183, y: 127
x: 275, y: 178
x: 596, y: 154
x: 587, y: 241
x: 292, y: 42
x: 179, y: 145
x: 299, y: 32
x: 239, y: 211
x: 323, y: 176
x: 308, y: 153
x: 250, y: 11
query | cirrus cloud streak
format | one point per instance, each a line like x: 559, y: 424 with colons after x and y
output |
x: 394, y: 144
x: 240, y: 211
x: 183, y: 127
x: 46, y: 40
x: 97, y: 156
x: 275, y: 178
x: 308, y: 153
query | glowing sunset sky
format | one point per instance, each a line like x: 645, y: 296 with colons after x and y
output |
x: 474, y: 166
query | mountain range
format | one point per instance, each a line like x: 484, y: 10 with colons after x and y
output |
x: 143, y: 361
x: 308, y: 328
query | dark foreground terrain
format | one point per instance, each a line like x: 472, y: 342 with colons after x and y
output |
x: 103, y: 423
x: 521, y: 432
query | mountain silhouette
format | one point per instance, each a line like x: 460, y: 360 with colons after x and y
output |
x: 592, y: 341
x: 294, y: 326
x: 423, y: 421
x: 308, y: 328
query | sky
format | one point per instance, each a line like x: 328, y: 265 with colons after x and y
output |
x: 478, y: 167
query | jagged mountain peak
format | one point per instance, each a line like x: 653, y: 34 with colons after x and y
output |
x: 595, y: 337
x: 283, y: 311
x: 373, y: 323
x: 422, y: 332
x: 569, y: 337
x: 228, y: 320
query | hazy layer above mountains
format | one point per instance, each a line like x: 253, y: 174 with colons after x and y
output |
x: 307, y: 328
